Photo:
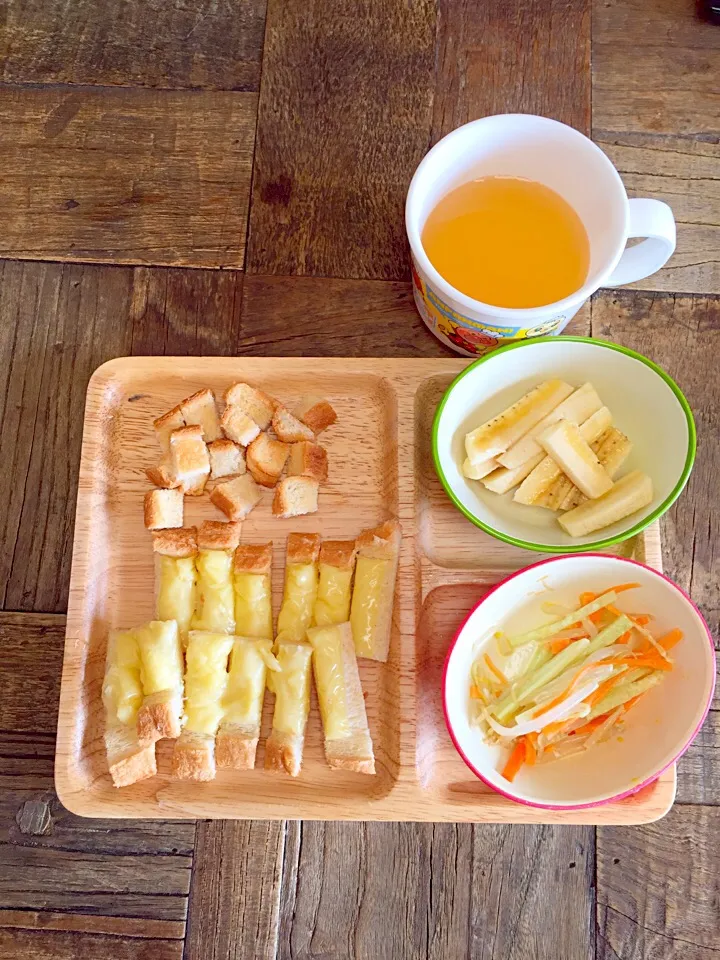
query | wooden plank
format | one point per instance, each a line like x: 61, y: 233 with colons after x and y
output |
x: 71, y: 887
x: 686, y: 174
x: 29, y: 682
x: 125, y: 175
x: 183, y: 313
x: 313, y: 316
x: 699, y: 769
x: 57, y: 324
x: 654, y: 69
x: 656, y: 113
x: 682, y: 334
x: 210, y: 46
x: 494, y: 57
x: 344, y: 119
x: 658, y: 888
x: 334, y: 158
x: 44, y: 945
x: 437, y: 890
x: 235, y: 894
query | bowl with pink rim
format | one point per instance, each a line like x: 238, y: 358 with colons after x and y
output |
x: 655, y: 733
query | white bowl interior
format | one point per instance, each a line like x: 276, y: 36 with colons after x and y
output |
x: 642, y: 403
x: 659, y: 726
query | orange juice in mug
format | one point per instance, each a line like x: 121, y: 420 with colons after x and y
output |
x: 514, y: 221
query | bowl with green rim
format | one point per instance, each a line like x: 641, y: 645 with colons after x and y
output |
x: 646, y: 405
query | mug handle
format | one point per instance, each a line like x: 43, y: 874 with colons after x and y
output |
x: 653, y: 220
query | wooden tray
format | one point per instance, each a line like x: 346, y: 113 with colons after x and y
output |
x: 380, y: 465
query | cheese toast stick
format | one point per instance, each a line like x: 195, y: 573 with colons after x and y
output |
x: 240, y: 729
x: 372, y: 600
x: 284, y: 748
x: 337, y: 563
x: 301, y: 584
x: 129, y: 760
x: 162, y: 680
x: 342, y: 706
x: 206, y: 679
x: 215, y: 600
x: 175, y: 576
x: 252, y: 565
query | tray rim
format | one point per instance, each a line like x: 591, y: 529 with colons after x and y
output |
x: 400, y: 798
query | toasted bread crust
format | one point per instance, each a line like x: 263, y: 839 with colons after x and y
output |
x: 162, y: 476
x: 135, y: 767
x: 194, y: 757
x: 189, y: 458
x: 253, y: 558
x: 381, y: 542
x: 339, y: 553
x: 200, y: 409
x: 256, y: 404
x: 288, y: 428
x: 308, y: 460
x: 303, y: 547
x: 227, y: 459
x: 348, y: 763
x: 238, y: 425
x: 316, y: 414
x: 237, y: 497
x: 128, y: 760
x: 159, y: 717
x: 284, y: 752
x: 266, y: 459
x: 295, y: 496
x: 236, y: 746
x: 218, y: 535
x: 181, y: 542
x: 163, y: 509
x: 165, y: 425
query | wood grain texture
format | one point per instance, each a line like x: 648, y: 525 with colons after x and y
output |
x: 125, y: 175
x: 494, y: 58
x: 313, y: 316
x: 63, y: 877
x: 682, y: 334
x: 656, y: 113
x: 654, y: 68
x: 57, y: 324
x: 207, y: 45
x: 183, y: 313
x: 344, y: 119
x: 383, y: 409
x: 658, y: 888
x: 401, y: 890
x: 235, y: 893
x: 20, y: 944
x: 30, y: 684
x: 699, y: 769
x: 685, y: 173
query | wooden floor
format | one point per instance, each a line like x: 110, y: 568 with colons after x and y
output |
x: 144, y: 145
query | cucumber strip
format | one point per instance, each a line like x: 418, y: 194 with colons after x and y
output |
x: 542, y: 633
x: 579, y: 649
x: 610, y: 634
x: 623, y: 693
x: 553, y: 668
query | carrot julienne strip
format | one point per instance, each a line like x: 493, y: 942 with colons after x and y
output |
x: 515, y: 761
x: 495, y: 670
x: 605, y: 687
x: 671, y: 639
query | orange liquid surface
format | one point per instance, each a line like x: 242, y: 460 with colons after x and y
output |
x: 508, y: 242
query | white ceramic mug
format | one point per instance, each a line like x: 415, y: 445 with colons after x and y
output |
x: 536, y: 148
